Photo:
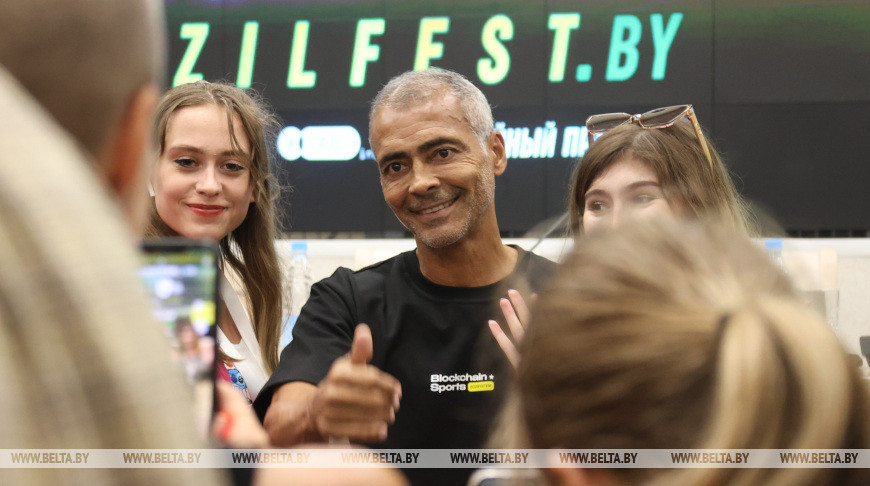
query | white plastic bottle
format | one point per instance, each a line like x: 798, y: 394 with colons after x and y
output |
x: 829, y: 282
x: 774, y: 249
x: 299, y: 283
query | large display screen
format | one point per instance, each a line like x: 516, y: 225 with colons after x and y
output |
x: 781, y: 86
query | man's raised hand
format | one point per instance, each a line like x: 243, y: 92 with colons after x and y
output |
x: 356, y: 400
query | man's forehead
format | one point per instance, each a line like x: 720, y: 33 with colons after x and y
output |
x: 416, y: 135
x: 421, y: 115
x: 436, y: 101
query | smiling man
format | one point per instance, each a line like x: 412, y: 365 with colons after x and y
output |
x: 420, y: 375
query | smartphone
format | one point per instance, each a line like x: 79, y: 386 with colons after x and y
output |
x: 181, y: 276
x: 505, y: 477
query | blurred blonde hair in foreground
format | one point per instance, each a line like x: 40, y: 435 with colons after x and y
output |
x: 678, y: 336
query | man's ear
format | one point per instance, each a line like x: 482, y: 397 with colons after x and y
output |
x: 496, y: 148
x: 125, y: 156
x: 124, y: 166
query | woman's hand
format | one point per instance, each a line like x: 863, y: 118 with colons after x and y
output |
x: 235, y: 423
x: 516, y: 313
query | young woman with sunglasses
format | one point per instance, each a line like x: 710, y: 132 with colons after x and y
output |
x: 655, y: 165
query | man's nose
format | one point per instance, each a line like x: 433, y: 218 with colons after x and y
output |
x: 423, y: 179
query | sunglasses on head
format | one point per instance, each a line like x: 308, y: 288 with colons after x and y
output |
x: 657, y: 118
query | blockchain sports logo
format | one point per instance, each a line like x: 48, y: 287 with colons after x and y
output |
x: 466, y: 382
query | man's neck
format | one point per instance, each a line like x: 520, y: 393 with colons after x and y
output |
x: 478, y: 259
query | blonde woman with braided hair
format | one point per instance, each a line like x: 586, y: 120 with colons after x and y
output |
x: 676, y: 336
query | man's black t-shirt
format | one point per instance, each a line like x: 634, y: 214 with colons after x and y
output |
x: 428, y: 336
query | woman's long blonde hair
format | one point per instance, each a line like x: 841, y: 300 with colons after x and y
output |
x: 676, y: 336
x: 679, y: 161
x: 249, y: 250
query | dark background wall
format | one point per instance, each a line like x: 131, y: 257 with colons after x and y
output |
x: 781, y: 86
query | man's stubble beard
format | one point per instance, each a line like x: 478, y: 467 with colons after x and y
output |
x: 485, y: 195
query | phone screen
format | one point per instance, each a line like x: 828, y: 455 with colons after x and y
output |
x: 505, y: 477
x: 181, y: 277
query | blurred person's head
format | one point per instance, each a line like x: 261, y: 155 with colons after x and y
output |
x: 631, y: 172
x: 213, y: 180
x: 676, y: 336
x: 78, y: 83
x: 438, y: 155
x: 98, y: 78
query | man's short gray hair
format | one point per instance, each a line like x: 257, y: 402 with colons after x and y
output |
x: 413, y: 88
